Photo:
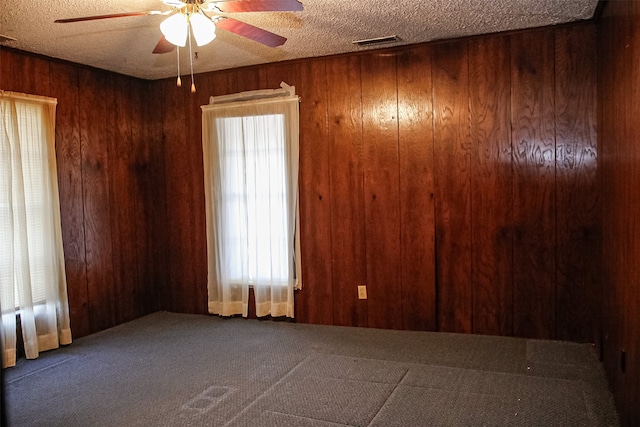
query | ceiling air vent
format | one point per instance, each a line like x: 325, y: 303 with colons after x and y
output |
x: 376, y: 41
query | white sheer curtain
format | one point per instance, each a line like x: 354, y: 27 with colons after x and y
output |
x: 251, y: 185
x: 32, y: 277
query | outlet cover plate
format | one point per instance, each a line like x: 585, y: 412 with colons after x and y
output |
x: 362, y: 292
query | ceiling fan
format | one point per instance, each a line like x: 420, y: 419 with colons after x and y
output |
x: 203, y: 17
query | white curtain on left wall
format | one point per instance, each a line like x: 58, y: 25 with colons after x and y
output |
x: 32, y: 277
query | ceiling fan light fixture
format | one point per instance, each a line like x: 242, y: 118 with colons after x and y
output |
x: 174, y: 3
x: 203, y: 28
x: 175, y: 29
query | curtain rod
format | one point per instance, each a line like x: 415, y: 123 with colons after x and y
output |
x: 27, y: 97
x: 285, y: 90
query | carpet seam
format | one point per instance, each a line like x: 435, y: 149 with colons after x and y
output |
x: 306, y: 418
x: 266, y: 391
x: 37, y: 371
x: 388, y: 397
x: 408, y: 365
x: 531, y: 373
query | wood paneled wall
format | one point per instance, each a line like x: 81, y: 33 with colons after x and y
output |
x: 110, y: 201
x: 456, y: 180
x: 619, y: 102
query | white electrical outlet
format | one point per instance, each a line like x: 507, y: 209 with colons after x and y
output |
x: 362, y: 292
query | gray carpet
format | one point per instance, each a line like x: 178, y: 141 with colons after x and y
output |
x: 187, y: 370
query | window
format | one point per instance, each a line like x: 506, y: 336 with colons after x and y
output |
x: 32, y: 276
x: 29, y: 126
x: 251, y: 172
x: 254, y: 198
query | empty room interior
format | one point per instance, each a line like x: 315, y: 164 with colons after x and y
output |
x: 458, y: 241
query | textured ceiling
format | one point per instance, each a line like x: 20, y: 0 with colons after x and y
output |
x: 325, y: 27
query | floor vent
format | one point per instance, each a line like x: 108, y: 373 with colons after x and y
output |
x: 376, y: 41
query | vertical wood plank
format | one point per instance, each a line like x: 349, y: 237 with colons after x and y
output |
x: 280, y: 72
x: 626, y: 238
x: 633, y: 337
x: 578, y: 291
x: 181, y: 273
x: 181, y: 124
x: 613, y: 87
x: 137, y: 172
x: 64, y: 86
x: 26, y: 73
x: 489, y: 89
x: 222, y: 83
x: 381, y: 189
x: 151, y: 216
x: 605, y: 54
x: 143, y: 193
x: 346, y: 190
x: 195, y: 233
x: 248, y: 79
x: 6, y: 58
x: 417, y: 220
x: 626, y: 201
x: 453, y: 192
x: 314, y: 304
x: 96, y: 105
x: 123, y: 229
x: 533, y: 142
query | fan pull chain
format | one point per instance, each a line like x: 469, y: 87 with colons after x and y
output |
x: 193, y: 85
x: 179, y: 81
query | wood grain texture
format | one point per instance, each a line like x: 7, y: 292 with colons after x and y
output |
x: 348, y: 256
x: 613, y: 84
x: 380, y: 115
x: 224, y: 83
x: 249, y: 79
x: 534, y: 209
x: 416, y: 174
x: 492, y: 186
x: 6, y: 59
x: 633, y: 308
x: 182, y: 282
x: 578, y: 219
x: 314, y: 304
x: 198, y: 220
x: 25, y: 72
x: 88, y: 131
x: 452, y: 159
x: 152, y: 210
x: 279, y: 72
x: 618, y: 136
x: 64, y: 85
x: 121, y: 195
x: 632, y: 407
x: 136, y: 166
x: 141, y: 172
x: 185, y: 196
x: 96, y: 106
x: 381, y: 189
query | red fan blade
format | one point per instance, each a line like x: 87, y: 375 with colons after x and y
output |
x: 259, y: 6
x: 164, y: 46
x: 249, y: 31
x: 114, y: 15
